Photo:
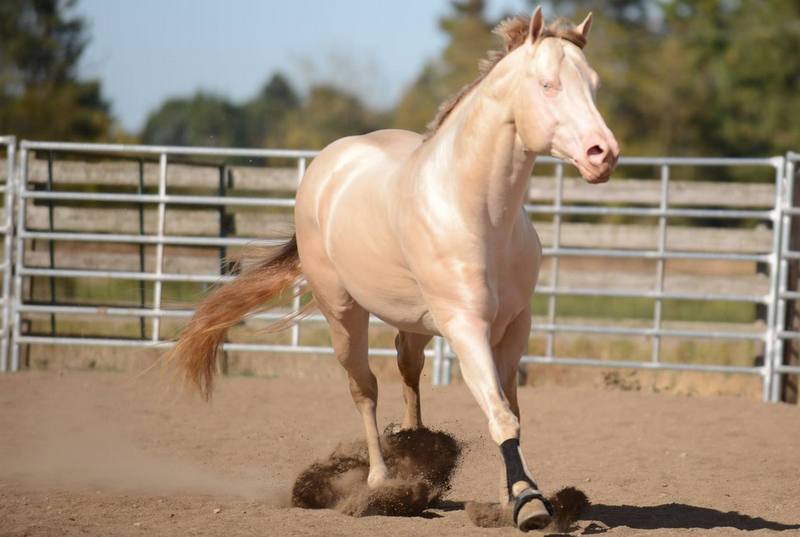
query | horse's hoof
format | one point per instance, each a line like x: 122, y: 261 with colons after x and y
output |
x: 377, y: 478
x: 531, y: 511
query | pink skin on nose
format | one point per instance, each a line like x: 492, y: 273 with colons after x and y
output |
x: 599, y: 156
x: 596, y: 149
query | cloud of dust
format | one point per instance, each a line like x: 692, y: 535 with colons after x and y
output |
x: 72, y: 447
x: 421, y: 463
x: 568, y: 503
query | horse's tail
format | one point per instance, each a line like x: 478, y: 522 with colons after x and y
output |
x: 195, y: 352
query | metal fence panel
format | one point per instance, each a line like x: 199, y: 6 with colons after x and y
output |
x: 153, y: 310
x: 153, y: 274
x: 787, y: 210
x: 660, y: 254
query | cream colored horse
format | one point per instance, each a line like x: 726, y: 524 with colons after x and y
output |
x: 429, y: 234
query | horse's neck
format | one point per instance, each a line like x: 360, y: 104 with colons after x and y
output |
x: 484, y: 159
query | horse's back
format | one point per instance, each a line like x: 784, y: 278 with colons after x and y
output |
x: 355, y: 168
x: 376, y: 153
x: 396, y: 143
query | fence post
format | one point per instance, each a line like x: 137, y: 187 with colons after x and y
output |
x: 658, y: 306
x: 771, y: 335
x: 19, y: 256
x: 9, y: 192
x: 437, y: 360
x: 296, y: 303
x: 790, y: 320
x: 447, y: 364
x: 161, y: 229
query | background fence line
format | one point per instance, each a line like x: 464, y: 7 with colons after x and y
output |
x: 165, y: 244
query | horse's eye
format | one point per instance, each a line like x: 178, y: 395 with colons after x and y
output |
x: 550, y: 87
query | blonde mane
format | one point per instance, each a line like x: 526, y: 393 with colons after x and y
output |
x: 513, y: 31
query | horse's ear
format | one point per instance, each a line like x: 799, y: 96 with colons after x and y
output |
x: 584, y: 27
x: 537, y: 25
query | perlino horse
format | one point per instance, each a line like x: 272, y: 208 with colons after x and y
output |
x: 429, y: 234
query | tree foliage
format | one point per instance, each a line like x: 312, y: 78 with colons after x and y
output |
x: 275, y: 117
x: 205, y: 119
x: 265, y: 115
x: 679, y: 77
x: 41, y: 43
x: 326, y: 114
x: 698, y: 77
x: 469, y: 37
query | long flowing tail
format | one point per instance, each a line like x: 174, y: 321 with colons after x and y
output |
x: 195, y: 353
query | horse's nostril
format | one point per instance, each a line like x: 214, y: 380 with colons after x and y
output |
x: 597, y: 154
x: 595, y: 150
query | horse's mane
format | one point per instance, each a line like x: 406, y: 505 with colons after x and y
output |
x: 513, y: 31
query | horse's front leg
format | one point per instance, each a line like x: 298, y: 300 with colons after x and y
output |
x: 507, y: 354
x: 470, y: 339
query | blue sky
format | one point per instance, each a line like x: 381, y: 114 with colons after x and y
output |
x: 145, y: 51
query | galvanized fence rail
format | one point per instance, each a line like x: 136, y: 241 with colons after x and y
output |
x: 7, y: 230
x: 156, y: 312
x: 770, y: 333
x: 787, y: 254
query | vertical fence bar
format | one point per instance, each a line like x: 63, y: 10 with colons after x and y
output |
x: 223, y: 226
x: 655, y: 356
x: 788, y: 320
x: 301, y: 171
x: 555, y: 265
x: 438, y: 352
x: 19, y: 261
x: 51, y: 247
x: 9, y: 193
x: 224, y: 269
x: 159, y: 268
x: 768, y: 369
x: 447, y: 363
x: 142, y: 266
x: 781, y: 316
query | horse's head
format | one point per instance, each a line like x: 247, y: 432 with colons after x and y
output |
x: 554, y: 105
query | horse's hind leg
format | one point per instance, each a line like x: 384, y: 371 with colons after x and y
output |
x: 349, y: 327
x: 410, y: 361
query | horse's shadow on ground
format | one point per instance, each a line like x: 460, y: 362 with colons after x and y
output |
x: 676, y: 516
x: 653, y: 517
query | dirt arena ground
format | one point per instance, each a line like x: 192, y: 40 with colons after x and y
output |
x: 91, y: 453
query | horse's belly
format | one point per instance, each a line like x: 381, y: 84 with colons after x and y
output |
x: 387, y: 291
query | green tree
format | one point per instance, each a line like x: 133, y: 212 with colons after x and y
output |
x: 698, y: 77
x: 206, y: 120
x: 327, y: 114
x: 265, y: 114
x: 41, y: 43
x: 469, y: 37
x: 745, y: 54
